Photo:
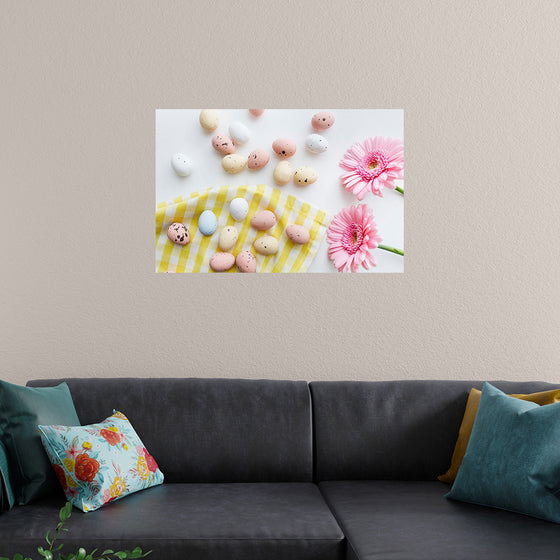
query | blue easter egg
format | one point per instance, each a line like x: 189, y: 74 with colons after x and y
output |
x: 207, y: 223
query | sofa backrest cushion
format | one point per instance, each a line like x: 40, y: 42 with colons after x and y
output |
x: 208, y: 430
x: 393, y: 430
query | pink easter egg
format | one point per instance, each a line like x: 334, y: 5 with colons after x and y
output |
x: 256, y: 112
x: 297, y: 234
x: 263, y: 220
x: 258, y: 159
x: 322, y: 120
x: 178, y: 233
x: 246, y: 262
x: 284, y: 147
x: 223, y: 144
x: 220, y: 262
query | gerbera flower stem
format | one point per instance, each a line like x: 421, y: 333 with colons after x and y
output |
x: 400, y: 190
x: 391, y: 249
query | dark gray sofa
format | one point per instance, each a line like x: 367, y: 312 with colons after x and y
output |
x: 285, y: 470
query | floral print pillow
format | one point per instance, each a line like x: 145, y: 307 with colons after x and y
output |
x: 99, y: 463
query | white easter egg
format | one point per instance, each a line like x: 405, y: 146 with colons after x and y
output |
x: 316, y: 143
x: 239, y: 132
x: 238, y: 208
x: 182, y: 165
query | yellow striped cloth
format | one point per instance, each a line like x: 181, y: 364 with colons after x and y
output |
x: 195, y: 256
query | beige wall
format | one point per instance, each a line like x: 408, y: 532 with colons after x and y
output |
x: 479, y: 83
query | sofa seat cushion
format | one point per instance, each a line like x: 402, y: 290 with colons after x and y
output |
x: 412, y: 520
x: 196, y: 521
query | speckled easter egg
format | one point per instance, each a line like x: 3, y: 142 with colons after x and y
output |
x: 220, y: 262
x: 223, y: 144
x: 322, y: 120
x: 266, y: 245
x: 316, y: 143
x: 239, y: 133
x: 297, y: 234
x: 258, y: 158
x: 228, y: 238
x: 233, y: 163
x: 256, y: 112
x: 284, y: 147
x: 182, y: 165
x: 178, y: 233
x: 207, y: 222
x: 305, y: 175
x: 263, y: 220
x: 246, y: 262
x: 209, y: 119
x: 238, y: 208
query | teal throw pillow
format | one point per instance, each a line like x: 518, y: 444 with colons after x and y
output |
x: 100, y: 463
x: 21, y: 410
x: 513, y: 457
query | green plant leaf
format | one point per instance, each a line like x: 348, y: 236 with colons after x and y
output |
x: 58, y: 547
x: 4, y: 558
x: 65, y: 512
x: 121, y: 555
x: 104, y: 553
x: 18, y: 557
x: 68, y: 508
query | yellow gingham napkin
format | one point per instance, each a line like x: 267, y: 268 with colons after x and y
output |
x: 195, y: 256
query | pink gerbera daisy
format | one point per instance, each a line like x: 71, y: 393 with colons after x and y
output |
x: 376, y: 163
x: 351, y: 235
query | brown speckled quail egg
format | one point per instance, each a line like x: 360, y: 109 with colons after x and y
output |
x: 284, y: 147
x: 178, y: 233
x: 258, y: 159
x: 322, y: 120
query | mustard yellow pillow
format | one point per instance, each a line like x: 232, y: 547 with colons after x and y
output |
x: 541, y: 398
